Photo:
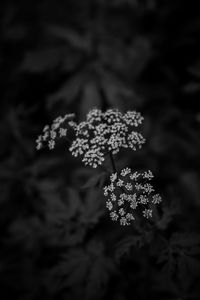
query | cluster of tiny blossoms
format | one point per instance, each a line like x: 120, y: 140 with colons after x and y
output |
x: 129, y: 191
x: 104, y: 132
x: 57, y: 129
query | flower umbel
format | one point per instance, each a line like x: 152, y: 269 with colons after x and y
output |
x: 57, y: 129
x: 106, y: 132
x: 129, y: 191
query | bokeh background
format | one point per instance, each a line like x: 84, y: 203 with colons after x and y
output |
x: 56, y: 238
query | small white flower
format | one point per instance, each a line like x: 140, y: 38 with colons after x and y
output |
x: 147, y: 213
x: 113, y: 177
x: 45, y: 136
x: 113, y: 197
x: 133, y: 204
x: 129, y: 186
x: 109, y: 205
x: 63, y: 132
x: 134, y: 176
x: 120, y: 183
x: 46, y: 128
x: 51, y: 144
x: 148, y: 188
x: 39, y: 146
x: 114, y: 216
x: 120, y: 202
x: 156, y: 199
x: 105, y: 191
x: 129, y: 217
x: 148, y: 175
x: 39, y: 139
x: 125, y: 172
x: 124, y: 221
x: 143, y: 199
x: 53, y: 134
x: 111, y: 187
x: 122, y: 212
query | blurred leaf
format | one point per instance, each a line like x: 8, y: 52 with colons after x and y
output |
x: 190, y: 186
x: 189, y: 242
x: 167, y: 216
x: 26, y: 232
x: 70, y: 36
x: 179, y: 261
x: 195, y: 69
x: 43, y: 60
x: 124, y: 246
x: 68, y: 92
x: 90, y: 98
x: 93, y: 207
x: 11, y: 29
x: 95, y: 180
x: 117, y: 94
x: 192, y: 87
x: 126, y: 59
x: 85, y: 271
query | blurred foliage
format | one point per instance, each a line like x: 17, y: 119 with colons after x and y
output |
x: 56, y: 239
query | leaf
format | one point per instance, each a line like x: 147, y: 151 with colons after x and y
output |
x: 195, y: 69
x: 95, y: 180
x: 85, y: 271
x: 179, y: 261
x: 116, y: 93
x: 192, y: 87
x: 168, y: 212
x: 190, y: 186
x: 59, y: 206
x: 136, y: 240
x: 90, y: 98
x: 81, y: 42
x: 68, y: 92
x: 100, y: 271
x: 185, y: 240
x: 42, y: 60
x: 124, y: 246
x: 93, y: 207
x: 26, y: 232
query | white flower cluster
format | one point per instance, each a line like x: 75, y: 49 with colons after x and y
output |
x: 129, y: 191
x: 104, y: 132
x: 51, y: 133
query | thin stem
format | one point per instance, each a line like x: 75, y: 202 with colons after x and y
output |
x: 112, y: 162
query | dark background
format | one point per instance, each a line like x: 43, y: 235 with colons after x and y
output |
x: 56, y: 238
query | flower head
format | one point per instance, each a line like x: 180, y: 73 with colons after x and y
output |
x: 50, y: 133
x: 130, y: 193
x: 104, y: 132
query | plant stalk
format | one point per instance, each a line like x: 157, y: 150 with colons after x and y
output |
x: 112, y: 162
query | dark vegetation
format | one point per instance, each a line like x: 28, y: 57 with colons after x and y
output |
x: 56, y: 238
